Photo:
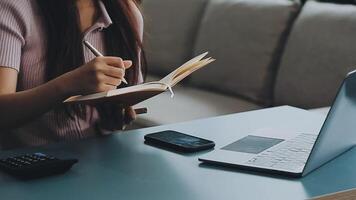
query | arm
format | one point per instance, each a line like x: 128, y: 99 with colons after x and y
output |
x: 17, y: 108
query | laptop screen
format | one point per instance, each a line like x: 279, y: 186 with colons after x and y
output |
x: 338, y: 133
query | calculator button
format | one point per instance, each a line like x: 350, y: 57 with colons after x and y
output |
x: 12, y: 164
x: 40, y: 154
x: 36, y: 165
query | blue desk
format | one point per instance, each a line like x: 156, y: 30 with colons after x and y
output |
x: 120, y: 166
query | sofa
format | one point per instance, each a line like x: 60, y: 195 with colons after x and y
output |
x: 268, y: 53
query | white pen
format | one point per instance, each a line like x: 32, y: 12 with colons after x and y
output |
x: 98, y: 54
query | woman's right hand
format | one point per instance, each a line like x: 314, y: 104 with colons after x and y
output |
x: 99, y: 75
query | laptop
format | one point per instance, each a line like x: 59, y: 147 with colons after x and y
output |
x: 296, y: 154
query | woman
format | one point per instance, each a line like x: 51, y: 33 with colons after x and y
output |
x: 43, y: 62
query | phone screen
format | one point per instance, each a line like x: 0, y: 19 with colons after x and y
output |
x: 179, y: 141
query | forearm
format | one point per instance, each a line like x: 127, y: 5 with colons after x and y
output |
x: 99, y: 75
x: 19, y: 108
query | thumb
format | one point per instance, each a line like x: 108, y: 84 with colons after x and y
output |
x: 127, y: 64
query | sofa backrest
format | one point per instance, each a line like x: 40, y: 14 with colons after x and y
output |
x: 245, y: 37
x: 321, y: 49
x: 171, y: 27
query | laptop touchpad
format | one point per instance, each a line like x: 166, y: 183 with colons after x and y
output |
x: 252, y: 144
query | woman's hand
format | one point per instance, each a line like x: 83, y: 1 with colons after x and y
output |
x: 115, y: 117
x: 99, y: 75
x: 130, y: 115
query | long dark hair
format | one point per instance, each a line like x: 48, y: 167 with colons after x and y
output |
x: 64, y: 38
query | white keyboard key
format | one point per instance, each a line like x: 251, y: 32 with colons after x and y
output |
x: 289, y: 155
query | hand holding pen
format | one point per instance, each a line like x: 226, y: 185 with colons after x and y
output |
x: 98, y: 54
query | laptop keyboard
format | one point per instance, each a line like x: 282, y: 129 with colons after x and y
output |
x: 289, y: 155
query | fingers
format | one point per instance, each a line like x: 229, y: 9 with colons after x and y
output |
x: 113, y: 67
x: 111, y: 117
x: 127, y: 64
x: 114, y: 117
x: 116, y: 67
x: 106, y: 73
x: 114, y: 72
x: 112, y: 81
x: 105, y: 87
x: 114, y: 61
x: 117, y: 62
x: 130, y: 115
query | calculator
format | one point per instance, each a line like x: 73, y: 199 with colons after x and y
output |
x: 35, y: 165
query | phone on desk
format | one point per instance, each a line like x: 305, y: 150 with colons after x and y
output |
x: 178, y: 141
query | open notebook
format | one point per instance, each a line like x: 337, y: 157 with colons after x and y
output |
x: 135, y: 94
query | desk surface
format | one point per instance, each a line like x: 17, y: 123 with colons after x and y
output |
x: 120, y: 166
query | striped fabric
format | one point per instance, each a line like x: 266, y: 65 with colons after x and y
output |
x: 22, y: 48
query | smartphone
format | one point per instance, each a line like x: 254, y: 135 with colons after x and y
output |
x: 178, y: 141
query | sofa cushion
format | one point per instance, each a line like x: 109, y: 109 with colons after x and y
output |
x: 171, y: 27
x: 188, y: 104
x: 244, y: 36
x: 319, y: 53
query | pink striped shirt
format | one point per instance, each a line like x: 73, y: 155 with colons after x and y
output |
x: 22, y: 48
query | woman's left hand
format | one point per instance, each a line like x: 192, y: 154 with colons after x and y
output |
x: 129, y: 115
x: 115, y: 117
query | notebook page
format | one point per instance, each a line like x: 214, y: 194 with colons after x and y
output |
x: 199, y: 65
x: 167, y: 79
